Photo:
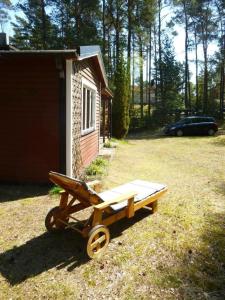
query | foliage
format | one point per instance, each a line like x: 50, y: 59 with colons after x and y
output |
x: 35, y: 30
x: 108, y: 144
x: 5, y: 5
x: 97, y: 167
x: 55, y: 190
x: 134, y: 29
x: 171, y: 84
x: 76, y: 22
x: 120, y: 109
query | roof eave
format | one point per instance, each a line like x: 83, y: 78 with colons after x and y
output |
x: 97, y: 54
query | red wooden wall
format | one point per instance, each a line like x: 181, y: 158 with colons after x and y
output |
x: 90, y: 142
x: 29, y: 121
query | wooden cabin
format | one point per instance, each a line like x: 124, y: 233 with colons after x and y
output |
x: 52, y: 103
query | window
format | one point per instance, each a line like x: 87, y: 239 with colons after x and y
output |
x: 88, y: 107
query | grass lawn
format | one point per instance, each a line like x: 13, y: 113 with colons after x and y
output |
x: 177, y: 253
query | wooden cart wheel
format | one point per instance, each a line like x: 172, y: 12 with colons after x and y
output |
x: 98, y: 239
x: 52, y: 220
x: 154, y: 206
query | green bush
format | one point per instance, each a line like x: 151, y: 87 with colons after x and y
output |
x: 55, y: 190
x: 108, y: 144
x: 97, y: 167
x: 101, y: 162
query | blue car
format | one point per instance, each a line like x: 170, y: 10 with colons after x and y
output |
x: 195, y: 125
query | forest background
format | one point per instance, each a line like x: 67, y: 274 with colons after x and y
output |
x: 151, y: 84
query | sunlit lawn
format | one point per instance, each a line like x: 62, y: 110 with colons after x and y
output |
x: 178, y: 253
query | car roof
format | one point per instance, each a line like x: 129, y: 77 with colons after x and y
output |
x: 202, y: 117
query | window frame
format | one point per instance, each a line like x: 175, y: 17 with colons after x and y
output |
x: 89, y: 86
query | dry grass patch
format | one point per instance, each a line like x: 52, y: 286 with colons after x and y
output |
x: 177, y: 253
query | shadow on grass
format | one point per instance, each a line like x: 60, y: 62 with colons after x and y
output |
x: 65, y: 249
x: 40, y: 254
x: 11, y: 192
x: 200, y: 274
x: 220, y: 187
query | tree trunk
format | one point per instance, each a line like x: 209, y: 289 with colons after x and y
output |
x: 103, y: 29
x: 186, y: 77
x: 129, y: 35
x: 160, y: 54
x: 141, y: 76
x: 129, y: 47
x: 133, y: 69
x: 205, y: 53
x: 196, y: 69
x: 150, y: 72
x: 156, y: 67
x: 117, y: 29
x: 43, y: 17
x: 146, y: 74
x: 205, y: 91
x: 222, y: 77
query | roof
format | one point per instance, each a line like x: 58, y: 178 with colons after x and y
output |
x: 80, y: 53
x: 85, y: 52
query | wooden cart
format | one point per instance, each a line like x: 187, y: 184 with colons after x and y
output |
x: 108, y: 207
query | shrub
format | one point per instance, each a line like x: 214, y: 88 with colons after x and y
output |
x: 108, y: 144
x: 97, y: 167
x: 55, y: 190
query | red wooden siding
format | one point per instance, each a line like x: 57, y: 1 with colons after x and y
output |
x: 29, y: 122
x: 90, y: 142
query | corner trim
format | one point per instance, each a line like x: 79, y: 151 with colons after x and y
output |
x: 69, y: 109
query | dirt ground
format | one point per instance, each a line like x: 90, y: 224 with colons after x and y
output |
x: 177, y: 253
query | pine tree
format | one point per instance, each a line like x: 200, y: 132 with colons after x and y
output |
x: 35, y: 31
x: 78, y: 21
x: 171, y: 81
x: 120, y: 112
x: 5, y: 5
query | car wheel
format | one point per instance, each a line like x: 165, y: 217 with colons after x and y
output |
x: 179, y: 132
x: 211, y: 132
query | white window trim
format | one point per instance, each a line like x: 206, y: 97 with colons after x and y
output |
x: 69, y: 109
x: 90, y: 86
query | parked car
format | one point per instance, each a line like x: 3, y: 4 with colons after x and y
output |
x: 195, y: 125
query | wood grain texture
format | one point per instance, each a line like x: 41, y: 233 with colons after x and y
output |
x: 29, y: 123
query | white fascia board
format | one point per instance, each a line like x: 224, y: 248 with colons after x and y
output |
x: 69, y: 109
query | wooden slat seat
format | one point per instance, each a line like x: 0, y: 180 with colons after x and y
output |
x: 144, y: 189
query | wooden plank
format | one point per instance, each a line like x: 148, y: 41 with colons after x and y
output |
x: 63, y: 200
x: 152, y: 198
x: 130, y: 208
x: 118, y: 199
x: 97, y: 217
x: 30, y: 100
x: 114, y: 218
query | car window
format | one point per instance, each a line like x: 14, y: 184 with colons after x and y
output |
x: 181, y: 121
x: 211, y: 120
x: 199, y: 120
x: 195, y: 120
x: 184, y: 121
x: 188, y: 121
x: 204, y: 120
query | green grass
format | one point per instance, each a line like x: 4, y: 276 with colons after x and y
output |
x: 177, y: 253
